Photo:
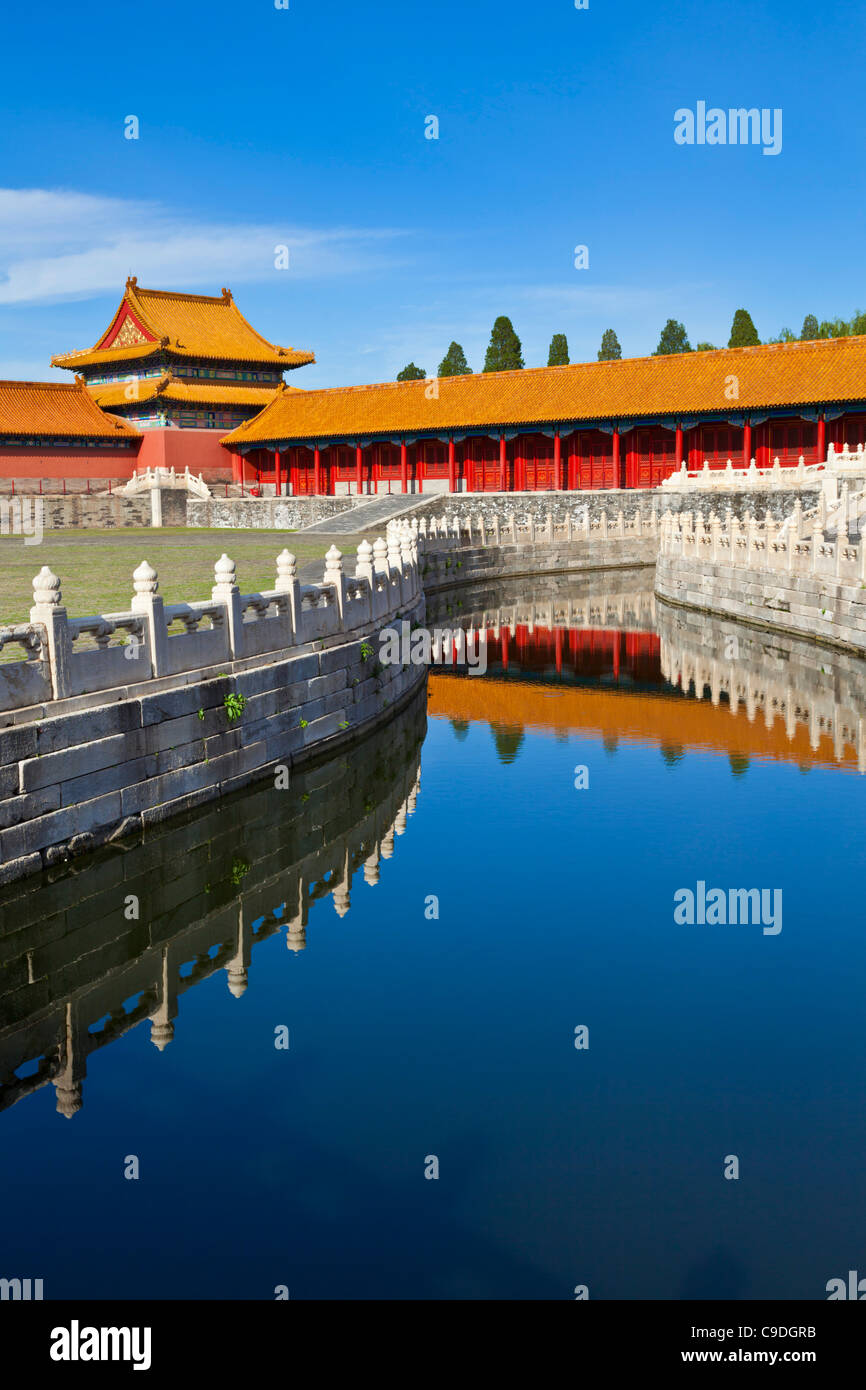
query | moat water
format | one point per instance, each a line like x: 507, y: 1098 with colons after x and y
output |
x: 466, y: 933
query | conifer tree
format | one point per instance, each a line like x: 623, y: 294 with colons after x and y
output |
x: 558, y: 354
x: 809, y: 331
x: 454, y: 362
x: 610, y: 350
x: 504, y: 352
x: 673, y: 339
x: 743, y: 331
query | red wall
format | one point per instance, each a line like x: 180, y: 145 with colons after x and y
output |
x: 197, y: 450
x: 66, y: 463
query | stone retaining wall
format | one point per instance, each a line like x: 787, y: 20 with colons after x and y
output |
x: 815, y: 606
x: 102, y: 740
x: 89, y: 771
x: 266, y: 513
x: 476, y: 564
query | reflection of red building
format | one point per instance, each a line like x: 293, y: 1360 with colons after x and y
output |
x: 578, y: 655
x: 611, y: 710
x: 592, y: 425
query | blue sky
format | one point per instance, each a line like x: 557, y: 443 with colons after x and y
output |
x: 306, y: 127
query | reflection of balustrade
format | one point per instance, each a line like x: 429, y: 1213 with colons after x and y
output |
x: 826, y: 698
x: 54, y: 1042
x: 74, y: 656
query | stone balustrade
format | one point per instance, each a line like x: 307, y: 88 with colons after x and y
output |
x: 751, y: 479
x: 192, y: 483
x: 64, y: 657
x: 798, y: 545
x: 477, y: 530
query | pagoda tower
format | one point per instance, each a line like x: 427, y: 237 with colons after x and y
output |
x: 184, y: 369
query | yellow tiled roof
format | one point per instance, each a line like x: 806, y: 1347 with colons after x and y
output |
x: 56, y: 409
x: 112, y: 395
x: 727, y: 380
x: 191, y: 325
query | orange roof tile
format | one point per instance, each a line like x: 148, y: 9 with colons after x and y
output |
x: 112, y: 395
x: 190, y: 325
x: 779, y: 374
x: 56, y: 409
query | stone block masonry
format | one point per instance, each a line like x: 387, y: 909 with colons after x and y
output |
x: 144, y: 724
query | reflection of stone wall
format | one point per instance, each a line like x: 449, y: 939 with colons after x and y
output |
x: 619, y: 599
x: 772, y: 677
x: 208, y: 891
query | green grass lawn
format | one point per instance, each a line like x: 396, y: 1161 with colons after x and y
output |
x: 95, y: 567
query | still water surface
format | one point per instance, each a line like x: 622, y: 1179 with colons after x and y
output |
x: 413, y: 1036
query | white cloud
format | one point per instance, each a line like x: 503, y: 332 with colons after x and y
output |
x: 57, y: 244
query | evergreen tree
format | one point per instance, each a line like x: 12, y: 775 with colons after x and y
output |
x: 809, y: 329
x: 504, y: 352
x: 834, y: 328
x: 558, y: 354
x: 454, y: 362
x: 743, y: 331
x: 610, y: 350
x: 673, y: 339
x: 412, y: 373
x: 706, y: 347
x: 785, y: 336
x: 858, y: 322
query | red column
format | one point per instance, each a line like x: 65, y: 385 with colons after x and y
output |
x: 503, y: 464
x: 359, y: 468
x: 558, y: 481
x: 317, y: 470
x: 678, y: 446
x: 822, y: 440
x: 504, y: 636
x: 558, y: 639
x: 617, y: 481
x: 452, y: 467
x: 747, y: 443
x: 404, y: 467
x: 278, y: 473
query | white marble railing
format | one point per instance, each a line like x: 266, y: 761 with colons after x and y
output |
x: 797, y: 545
x: 479, y: 531
x: 166, y: 478
x: 745, y: 479
x: 154, y: 640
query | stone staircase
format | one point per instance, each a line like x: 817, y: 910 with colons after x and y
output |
x: 367, y: 516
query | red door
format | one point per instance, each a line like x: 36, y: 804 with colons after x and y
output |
x: 790, y: 439
x: 536, y: 454
x: 655, y: 451
x: 594, y: 460
x: 720, y: 443
x: 484, y: 455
